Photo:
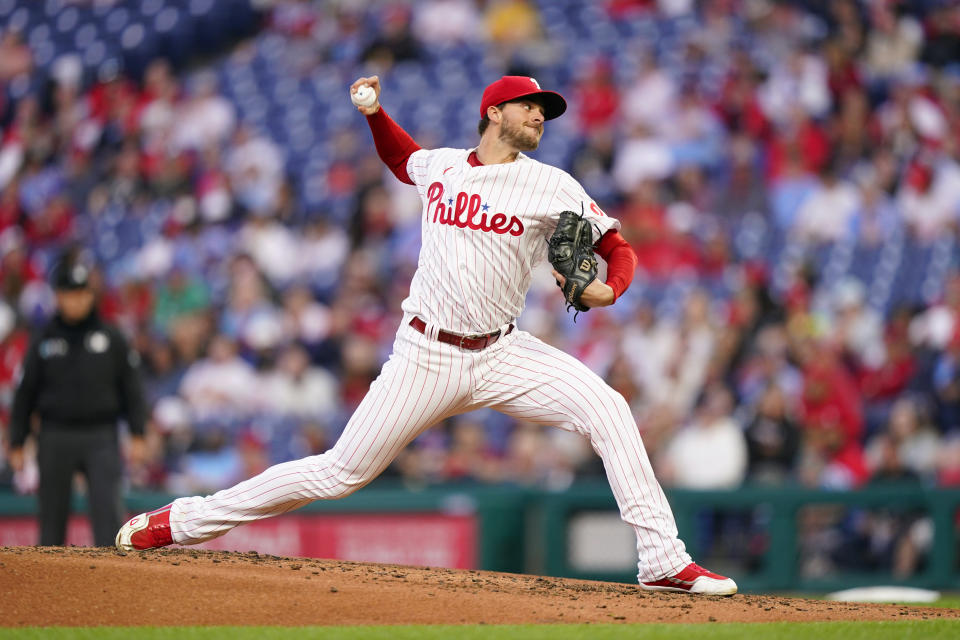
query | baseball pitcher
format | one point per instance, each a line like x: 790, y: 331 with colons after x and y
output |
x: 490, y: 214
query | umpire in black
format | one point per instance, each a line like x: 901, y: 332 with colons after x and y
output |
x: 79, y: 378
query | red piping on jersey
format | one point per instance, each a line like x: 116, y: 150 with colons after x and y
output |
x: 394, y: 145
x: 621, y: 261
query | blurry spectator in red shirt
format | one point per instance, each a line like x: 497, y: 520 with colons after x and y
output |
x: 596, y: 96
x: 625, y: 9
x: 10, y: 213
x: 738, y: 105
x: 802, y: 137
x: 51, y: 225
x: 108, y: 303
x: 842, y: 73
x: 660, y: 239
x: 888, y: 379
x: 113, y: 104
x: 831, y: 416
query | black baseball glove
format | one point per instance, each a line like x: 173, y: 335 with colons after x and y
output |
x: 570, y: 251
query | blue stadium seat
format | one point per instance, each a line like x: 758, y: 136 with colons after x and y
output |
x: 44, y: 50
x: 149, y: 8
x: 85, y: 35
x: 66, y: 20
x: 107, y: 246
x: 749, y: 238
x: 117, y: 20
x: 285, y: 90
x: 19, y: 20
x: 95, y: 54
x: 868, y: 262
x: 38, y: 35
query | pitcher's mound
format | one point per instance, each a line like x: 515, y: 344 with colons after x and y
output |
x: 46, y: 586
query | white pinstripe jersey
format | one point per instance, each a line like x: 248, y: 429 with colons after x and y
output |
x: 484, y: 229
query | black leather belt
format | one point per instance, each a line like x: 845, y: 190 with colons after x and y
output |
x: 474, y: 342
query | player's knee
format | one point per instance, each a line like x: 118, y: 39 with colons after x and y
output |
x: 618, y: 412
x: 615, y: 402
x: 348, y: 480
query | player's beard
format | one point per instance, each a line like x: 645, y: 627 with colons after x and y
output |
x: 519, y: 136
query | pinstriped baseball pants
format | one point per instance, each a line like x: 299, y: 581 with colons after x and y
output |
x: 425, y: 381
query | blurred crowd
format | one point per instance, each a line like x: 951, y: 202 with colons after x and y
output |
x: 261, y: 318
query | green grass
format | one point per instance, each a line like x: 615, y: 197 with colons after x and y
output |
x: 925, y: 630
x: 951, y: 601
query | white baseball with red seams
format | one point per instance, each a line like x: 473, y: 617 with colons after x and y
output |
x: 364, y: 96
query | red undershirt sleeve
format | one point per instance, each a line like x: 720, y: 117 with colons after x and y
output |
x: 621, y: 261
x: 394, y: 145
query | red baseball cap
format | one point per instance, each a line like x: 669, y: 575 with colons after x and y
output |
x: 510, y: 88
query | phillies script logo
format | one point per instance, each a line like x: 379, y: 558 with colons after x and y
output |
x: 466, y: 213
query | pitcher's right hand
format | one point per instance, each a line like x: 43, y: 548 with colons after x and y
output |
x: 374, y: 83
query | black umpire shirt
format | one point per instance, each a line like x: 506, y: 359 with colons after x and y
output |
x: 78, y: 376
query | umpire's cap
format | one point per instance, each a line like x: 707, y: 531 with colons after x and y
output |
x: 510, y: 88
x: 70, y: 274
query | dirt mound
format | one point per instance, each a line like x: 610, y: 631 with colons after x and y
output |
x: 87, y: 587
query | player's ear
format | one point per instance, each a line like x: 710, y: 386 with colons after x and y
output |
x: 494, y: 113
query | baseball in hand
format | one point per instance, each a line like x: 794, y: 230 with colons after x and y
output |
x: 364, y: 96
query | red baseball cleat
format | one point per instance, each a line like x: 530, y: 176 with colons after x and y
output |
x: 694, y: 579
x: 149, y: 530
